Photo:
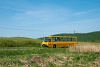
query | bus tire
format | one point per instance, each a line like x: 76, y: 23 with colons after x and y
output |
x: 42, y: 46
x: 54, y: 46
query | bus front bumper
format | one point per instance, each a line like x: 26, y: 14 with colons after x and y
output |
x: 44, y: 45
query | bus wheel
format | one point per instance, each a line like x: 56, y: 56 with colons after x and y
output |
x: 54, y: 46
x: 42, y: 45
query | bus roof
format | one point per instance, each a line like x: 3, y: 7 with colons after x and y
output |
x: 63, y: 36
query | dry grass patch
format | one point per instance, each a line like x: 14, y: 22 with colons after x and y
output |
x: 57, y: 60
x: 86, y: 47
x: 38, y: 60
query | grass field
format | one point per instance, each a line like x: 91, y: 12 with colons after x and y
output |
x: 50, y: 57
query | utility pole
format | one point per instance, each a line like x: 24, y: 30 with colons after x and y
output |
x: 74, y: 31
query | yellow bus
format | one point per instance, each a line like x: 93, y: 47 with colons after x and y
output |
x: 59, y: 41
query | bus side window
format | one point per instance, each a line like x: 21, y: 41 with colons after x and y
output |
x: 74, y: 39
x: 57, y: 39
x: 49, y: 40
x: 53, y: 39
x: 70, y: 39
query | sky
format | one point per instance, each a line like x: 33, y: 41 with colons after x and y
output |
x: 39, y: 18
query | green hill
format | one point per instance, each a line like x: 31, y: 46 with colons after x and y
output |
x: 84, y: 37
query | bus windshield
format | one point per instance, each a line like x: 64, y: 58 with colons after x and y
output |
x: 46, y: 39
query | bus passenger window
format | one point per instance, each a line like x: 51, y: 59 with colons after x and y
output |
x: 53, y: 39
x: 71, y: 39
x: 49, y: 40
x: 57, y: 39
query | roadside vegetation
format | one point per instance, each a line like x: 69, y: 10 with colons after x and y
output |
x: 19, y: 42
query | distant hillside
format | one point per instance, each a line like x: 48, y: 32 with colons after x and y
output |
x: 84, y: 37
